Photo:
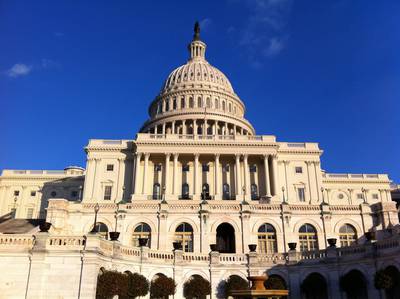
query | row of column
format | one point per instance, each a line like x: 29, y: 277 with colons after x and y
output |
x: 217, y: 128
x: 242, y: 180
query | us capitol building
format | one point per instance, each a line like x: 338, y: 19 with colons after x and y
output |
x: 196, y: 177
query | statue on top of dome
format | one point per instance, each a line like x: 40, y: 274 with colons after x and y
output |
x: 196, y: 35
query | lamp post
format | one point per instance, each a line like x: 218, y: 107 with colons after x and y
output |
x: 96, y: 210
x: 15, y: 207
x: 283, y: 194
x: 244, y: 202
x: 80, y: 193
x: 204, y: 201
x: 163, y: 195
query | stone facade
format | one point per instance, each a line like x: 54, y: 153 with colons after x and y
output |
x: 197, y: 174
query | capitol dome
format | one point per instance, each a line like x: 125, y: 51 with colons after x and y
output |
x: 197, y: 99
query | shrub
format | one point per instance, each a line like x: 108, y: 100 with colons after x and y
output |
x: 383, y: 280
x: 274, y: 282
x: 162, y: 287
x: 196, y: 287
x: 111, y: 283
x: 138, y: 285
x: 235, y: 283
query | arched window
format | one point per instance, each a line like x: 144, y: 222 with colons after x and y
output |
x: 156, y: 191
x: 185, y: 191
x: 174, y: 104
x: 266, y: 239
x: 199, y: 102
x: 216, y: 104
x: 223, y: 105
x: 308, y: 238
x: 184, y: 235
x: 208, y: 103
x: 347, y: 235
x: 102, y: 229
x: 167, y: 105
x: 226, y: 192
x: 159, y: 107
x: 142, y: 230
x: 230, y: 107
x: 191, y: 103
x: 254, y: 192
x: 182, y: 103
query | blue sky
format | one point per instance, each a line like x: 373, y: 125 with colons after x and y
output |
x: 315, y: 71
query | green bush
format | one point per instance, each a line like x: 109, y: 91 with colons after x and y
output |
x: 162, y: 287
x: 235, y: 283
x: 111, y: 283
x: 196, y: 287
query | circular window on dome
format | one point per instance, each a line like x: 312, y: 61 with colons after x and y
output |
x: 340, y: 196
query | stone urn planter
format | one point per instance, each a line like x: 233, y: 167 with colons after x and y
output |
x: 44, y: 227
x: 332, y: 242
x: 292, y: 245
x: 252, y: 247
x: 143, y: 242
x: 177, y: 245
x: 213, y: 247
x: 114, y: 236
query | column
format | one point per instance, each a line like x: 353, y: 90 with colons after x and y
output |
x: 350, y: 196
x: 196, y: 175
x: 217, y: 185
x: 120, y: 182
x: 238, y: 187
x: 183, y: 127
x: 214, y: 128
x: 155, y: 129
x: 96, y: 166
x: 234, y: 129
x: 163, y: 128
x: 226, y: 129
x: 173, y: 127
x: 136, y: 175
x: 176, y: 189
x: 146, y: 164
x: 194, y: 127
x: 288, y: 193
x: 275, y: 173
x: 308, y: 163
x: 89, y: 181
x: 266, y: 171
x: 166, y: 173
x: 246, y: 177
x: 316, y: 180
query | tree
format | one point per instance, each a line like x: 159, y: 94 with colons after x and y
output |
x: 196, y: 287
x: 162, y: 287
x: 235, y: 283
x: 111, y: 283
x: 138, y: 285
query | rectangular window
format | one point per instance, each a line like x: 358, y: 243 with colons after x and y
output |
x: 185, y: 168
x: 29, y: 213
x: 107, y: 192
x: 226, y: 168
x: 301, y: 194
x: 110, y: 167
x: 360, y: 196
x: 205, y: 168
x: 375, y: 196
x: 157, y: 167
x: 253, y: 168
x: 33, y: 193
x: 16, y: 193
x: 299, y: 169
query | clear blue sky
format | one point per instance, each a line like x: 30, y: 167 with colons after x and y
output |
x: 315, y: 71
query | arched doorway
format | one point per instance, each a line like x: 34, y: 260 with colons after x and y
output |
x: 394, y: 291
x: 314, y: 287
x: 354, y: 285
x: 226, y: 238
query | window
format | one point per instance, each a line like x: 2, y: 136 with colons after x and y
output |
x: 185, y: 191
x: 74, y: 194
x: 110, y: 167
x: 33, y: 193
x: 174, y: 105
x: 16, y: 193
x: 107, y: 192
x: 29, y: 214
x: 208, y: 102
x: 308, y: 238
x: 266, y: 239
x: 159, y: 107
x: 205, y: 167
x: 226, y: 168
x: 53, y: 193
x: 226, y: 193
x: 205, y: 191
x: 184, y: 235
x: 167, y: 105
x: 13, y: 212
x: 299, y: 169
x: 199, y: 103
x: 156, y: 191
x: 347, y: 235
x: 254, y: 192
x: 375, y: 196
x: 253, y: 168
x: 216, y: 104
x: 360, y: 196
x: 142, y: 230
x: 157, y: 167
x: 191, y: 103
x: 185, y: 168
x: 301, y: 194
x: 340, y: 196
x: 102, y: 229
x: 182, y: 103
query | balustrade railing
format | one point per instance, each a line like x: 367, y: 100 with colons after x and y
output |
x: 17, y: 241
